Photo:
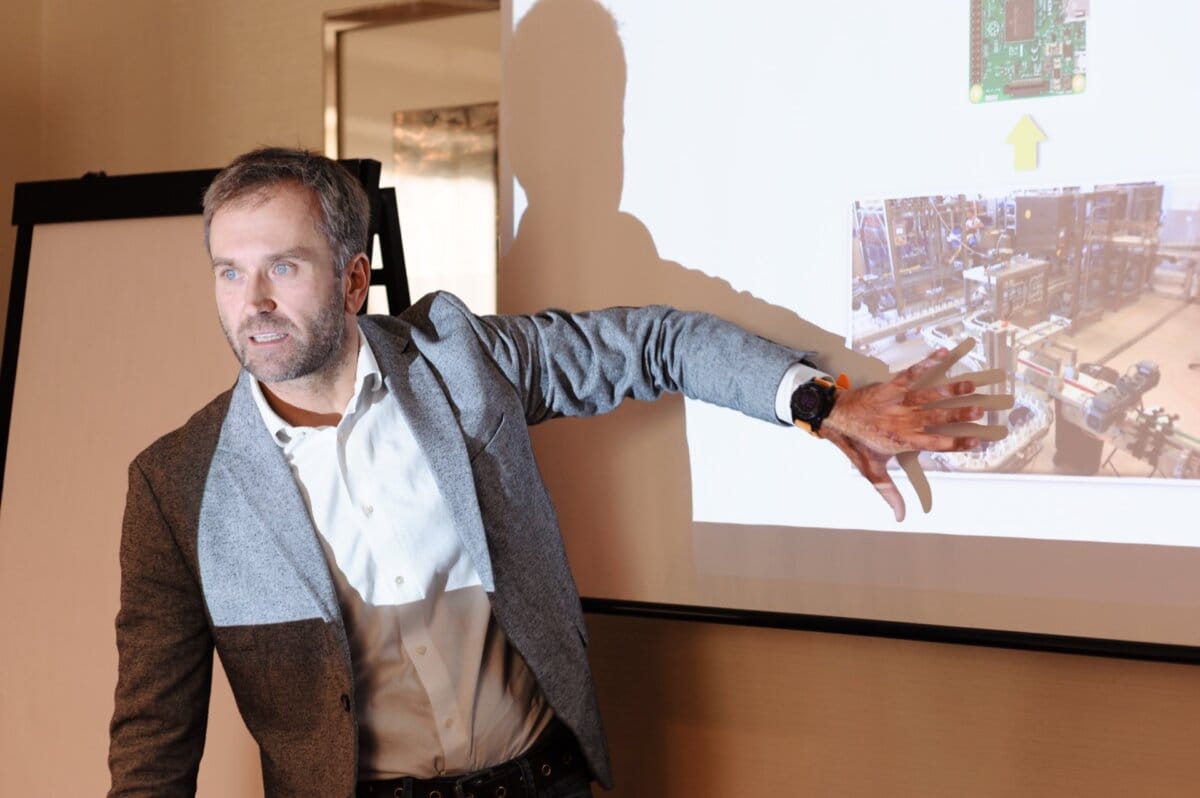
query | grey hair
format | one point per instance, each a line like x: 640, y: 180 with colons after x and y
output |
x: 345, y: 211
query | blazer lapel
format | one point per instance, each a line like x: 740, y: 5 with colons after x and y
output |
x: 260, y: 560
x: 427, y: 410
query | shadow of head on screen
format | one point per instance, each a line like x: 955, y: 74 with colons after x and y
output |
x: 565, y: 75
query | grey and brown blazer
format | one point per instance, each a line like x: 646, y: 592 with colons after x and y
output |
x: 218, y: 549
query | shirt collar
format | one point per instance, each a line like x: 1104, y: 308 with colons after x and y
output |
x: 367, y: 379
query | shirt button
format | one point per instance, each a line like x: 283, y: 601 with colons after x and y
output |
x: 367, y: 510
x: 345, y: 702
x: 399, y: 581
x: 421, y: 650
x: 449, y: 722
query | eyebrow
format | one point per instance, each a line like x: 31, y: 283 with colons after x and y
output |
x: 296, y: 253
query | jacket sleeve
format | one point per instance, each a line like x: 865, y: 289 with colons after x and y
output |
x: 164, y: 658
x: 581, y: 364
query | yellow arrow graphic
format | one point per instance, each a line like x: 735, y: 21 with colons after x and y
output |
x: 1025, y: 138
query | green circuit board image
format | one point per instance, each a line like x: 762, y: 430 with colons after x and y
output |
x: 1027, y: 48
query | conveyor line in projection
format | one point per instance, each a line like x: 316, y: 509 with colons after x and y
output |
x: 930, y: 316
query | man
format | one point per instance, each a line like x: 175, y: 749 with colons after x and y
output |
x: 359, y: 529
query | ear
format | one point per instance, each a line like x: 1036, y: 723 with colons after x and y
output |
x: 357, y: 281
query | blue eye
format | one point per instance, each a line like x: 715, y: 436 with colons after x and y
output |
x: 280, y: 269
x: 229, y: 274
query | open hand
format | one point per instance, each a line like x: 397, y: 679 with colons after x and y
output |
x: 908, y: 414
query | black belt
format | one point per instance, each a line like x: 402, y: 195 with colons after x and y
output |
x: 554, y: 756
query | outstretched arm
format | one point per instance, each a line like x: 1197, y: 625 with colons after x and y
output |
x: 587, y: 363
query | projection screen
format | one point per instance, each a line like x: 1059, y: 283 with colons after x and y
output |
x: 901, y: 177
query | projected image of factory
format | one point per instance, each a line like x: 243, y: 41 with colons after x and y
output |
x: 1087, y: 297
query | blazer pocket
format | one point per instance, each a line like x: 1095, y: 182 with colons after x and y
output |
x: 476, y: 445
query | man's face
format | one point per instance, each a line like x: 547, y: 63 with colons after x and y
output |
x: 281, y: 306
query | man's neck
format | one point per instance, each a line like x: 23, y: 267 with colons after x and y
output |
x: 317, y: 400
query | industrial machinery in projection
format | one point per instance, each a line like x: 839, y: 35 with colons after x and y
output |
x: 1085, y: 297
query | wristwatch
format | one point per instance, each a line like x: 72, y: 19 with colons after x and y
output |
x: 812, y: 401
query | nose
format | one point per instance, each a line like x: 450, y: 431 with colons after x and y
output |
x: 258, y: 296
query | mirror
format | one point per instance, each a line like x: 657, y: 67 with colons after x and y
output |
x: 413, y: 85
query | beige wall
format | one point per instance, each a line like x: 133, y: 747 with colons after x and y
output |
x: 700, y: 710
x: 145, y: 85
x: 20, y: 125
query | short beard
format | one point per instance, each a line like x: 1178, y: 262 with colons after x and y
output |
x: 326, y: 336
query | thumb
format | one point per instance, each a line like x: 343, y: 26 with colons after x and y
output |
x: 911, y: 463
x: 874, y: 468
x: 890, y: 493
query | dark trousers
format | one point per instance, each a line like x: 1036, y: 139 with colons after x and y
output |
x: 553, y: 767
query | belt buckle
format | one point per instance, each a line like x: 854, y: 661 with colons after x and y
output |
x: 491, y: 783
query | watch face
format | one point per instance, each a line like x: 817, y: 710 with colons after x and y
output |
x: 807, y: 402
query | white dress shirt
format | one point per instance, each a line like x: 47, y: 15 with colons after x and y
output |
x: 438, y: 688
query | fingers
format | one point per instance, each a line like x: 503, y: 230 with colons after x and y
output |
x: 911, y: 463
x: 949, y: 415
x: 958, y: 431
x: 918, y: 372
x: 982, y: 378
x: 952, y: 357
x: 930, y: 395
x: 985, y: 401
x: 934, y: 441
